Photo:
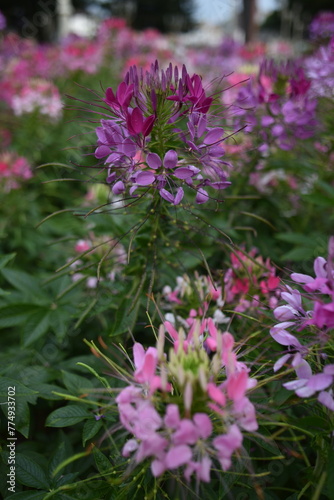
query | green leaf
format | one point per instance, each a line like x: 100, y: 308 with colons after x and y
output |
x: 36, y: 325
x: 76, y: 384
x: 21, y: 391
x: 17, y: 314
x: 67, y: 415
x: 91, y: 428
x: 29, y: 495
x: 125, y: 319
x: 23, y: 281
x: 5, y: 259
x: 330, y: 475
x: 103, y: 465
x: 294, y: 238
x: 30, y: 473
x: 299, y: 254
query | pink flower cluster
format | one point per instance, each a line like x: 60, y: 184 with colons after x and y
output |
x: 171, y: 427
x: 142, y: 147
x: 278, y: 105
x: 81, y: 54
x: 249, y: 284
x: 14, y: 169
x: 316, y: 320
x: 37, y: 95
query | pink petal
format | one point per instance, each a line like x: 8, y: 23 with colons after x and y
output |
x: 203, y: 424
x: 237, y: 385
x: 172, y: 416
x: 216, y: 394
x: 158, y: 467
x: 186, y: 433
x: 177, y: 456
x: 129, y: 447
x: 137, y: 120
x: 138, y: 355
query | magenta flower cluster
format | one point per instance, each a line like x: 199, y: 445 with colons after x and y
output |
x: 142, y: 145
x: 180, y: 410
x: 316, y: 321
x: 14, y: 170
x: 277, y: 105
x: 322, y: 26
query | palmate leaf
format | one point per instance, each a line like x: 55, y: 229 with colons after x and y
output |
x: 37, y: 324
x: 23, y: 282
x: 17, y: 314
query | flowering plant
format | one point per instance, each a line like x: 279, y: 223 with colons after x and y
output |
x: 161, y: 137
x: 188, y: 408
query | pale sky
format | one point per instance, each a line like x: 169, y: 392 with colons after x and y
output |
x: 218, y: 11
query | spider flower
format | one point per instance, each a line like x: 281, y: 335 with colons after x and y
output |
x: 311, y: 311
x: 161, y: 136
x: 186, y: 410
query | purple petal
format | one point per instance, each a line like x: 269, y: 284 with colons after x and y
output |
x: 326, y: 399
x: 153, y: 160
x: 179, y: 196
x: 145, y: 178
x: 213, y: 136
x: 295, y: 384
x: 281, y: 361
x: 102, y: 151
x: 283, y: 313
x: 111, y: 177
x: 320, y: 381
x: 118, y: 188
x: 303, y: 369
x: 301, y: 278
x: 282, y: 336
x: 201, y: 125
x: 128, y: 147
x: 320, y: 267
x: 166, y: 195
x: 201, y: 196
x: 184, y: 172
x: 329, y: 370
x: 220, y: 185
x: 170, y: 159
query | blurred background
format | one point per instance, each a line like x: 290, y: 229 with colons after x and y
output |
x: 247, y: 20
